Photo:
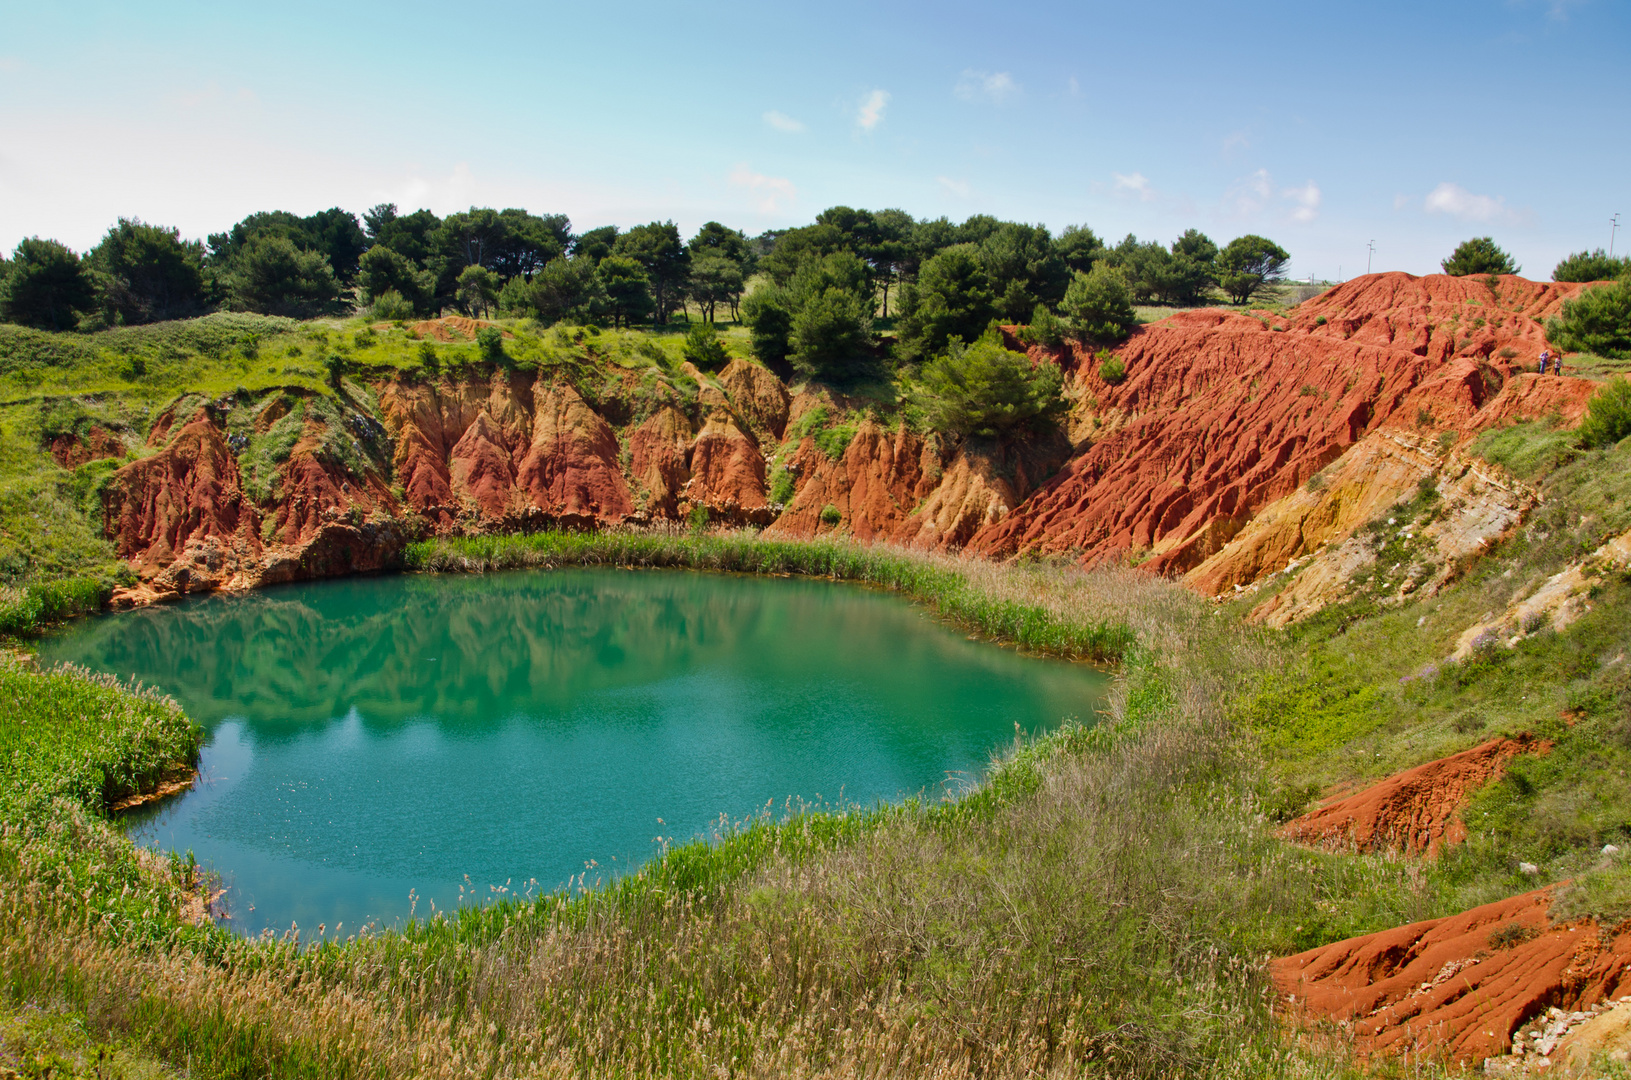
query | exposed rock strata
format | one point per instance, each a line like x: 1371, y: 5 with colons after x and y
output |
x: 1457, y: 988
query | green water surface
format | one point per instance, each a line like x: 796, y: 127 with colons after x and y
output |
x: 454, y: 735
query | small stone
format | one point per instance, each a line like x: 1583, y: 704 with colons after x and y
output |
x: 1528, y: 868
x: 1611, y: 849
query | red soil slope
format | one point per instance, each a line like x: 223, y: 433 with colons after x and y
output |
x: 1222, y: 413
x: 1414, y: 811
x: 70, y: 451
x: 1457, y: 988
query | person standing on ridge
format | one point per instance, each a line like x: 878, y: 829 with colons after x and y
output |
x: 1545, y: 355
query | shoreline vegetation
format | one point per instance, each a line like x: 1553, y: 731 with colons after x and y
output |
x: 1103, y: 900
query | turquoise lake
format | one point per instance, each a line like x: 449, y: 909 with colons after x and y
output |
x: 372, y: 736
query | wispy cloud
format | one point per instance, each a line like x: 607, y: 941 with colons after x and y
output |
x: 1072, y: 87
x: 995, y: 86
x: 870, y: 115
x: 1248, y: 196
x: 1458, y: 202
x: 1236, y: 140
x: 774, y: 193
x: 958, y: 188
x: 1306, y: 200
x: 782, y: 122
x: 1136, y: 184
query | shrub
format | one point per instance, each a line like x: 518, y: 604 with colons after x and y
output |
x: 1591, y: 266
x: 1597, y: 321
x: 490, y: 340
x: 1479, y: 255
x: 390, y: 306
x: 1111, y: 369
x: 987, y: 390
x: 830, y: 515
x: 270, y: 276
x: 1046, y: 328
x: 703, y: 347
x: 1098, y: 305
x: 1608, y: 414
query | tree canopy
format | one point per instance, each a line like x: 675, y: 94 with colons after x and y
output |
x: 1598, y: 321
x: 1596, y: 265
x: 147, y: 273
x: 1248, y: 264
x: 986, y: 390
x: 1479, y: 255
x: 46, y: 286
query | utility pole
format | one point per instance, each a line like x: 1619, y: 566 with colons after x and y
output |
x: 1614, y: 227
x: 1371, y: 250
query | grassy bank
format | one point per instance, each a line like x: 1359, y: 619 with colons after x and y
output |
x: 1102, y: 904
x: 1022, y: 608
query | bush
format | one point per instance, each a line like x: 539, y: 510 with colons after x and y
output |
x: 1479, y: 255
x: 391, y: 306
x: 1608, y: 414
x: 1591, y: 266
x: 703, y: 348
x: 1098, y: 305
x: 830, y: 515
x: 490, y: 340
x: 1112, y: 370
x: 1046, y: 328
x: 987, y: 390
x: 1597, y: 321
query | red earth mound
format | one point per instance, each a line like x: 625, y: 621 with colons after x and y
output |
x: 70, y: 451
x: 1222, y: 413
x: 1414, y: 811
x: 451, y: 328
x: 1455, y: 989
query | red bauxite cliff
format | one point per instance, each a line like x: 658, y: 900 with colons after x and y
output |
x: 1194, y: 464
x: 1221, y: 414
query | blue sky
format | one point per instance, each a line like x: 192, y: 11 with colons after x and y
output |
x: 1323, y: 126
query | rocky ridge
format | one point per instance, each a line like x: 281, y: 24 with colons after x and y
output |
x: 1236, y: 446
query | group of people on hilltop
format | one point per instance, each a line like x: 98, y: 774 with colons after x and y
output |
x: 1546, y: 357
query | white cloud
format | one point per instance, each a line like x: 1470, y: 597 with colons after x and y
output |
x: 1402, y: 201
x: 1458, y: 202
x: 1307, y: 200
x: 1235, y: 140
x: 1248, y: 196
x: 1073, y: 87
x: 773, y: 192
x: 997, y: 86
x: 1134, y: 184
x: 783, y: 122
x: 958, y: 188
x: 871, y: 111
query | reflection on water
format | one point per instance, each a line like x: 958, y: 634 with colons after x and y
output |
x: 377, y: 735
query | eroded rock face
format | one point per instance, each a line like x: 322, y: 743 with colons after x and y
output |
x: 571, y: 472
x: 877, y: 482
x: 183, y: 507
x: 70, y: 451
x: 1196, y: 464
x: 1221, y: 414
x: 657, y: 452
x: 1417, y: 811
x: 727, y: 469
x: 1458, y: 988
